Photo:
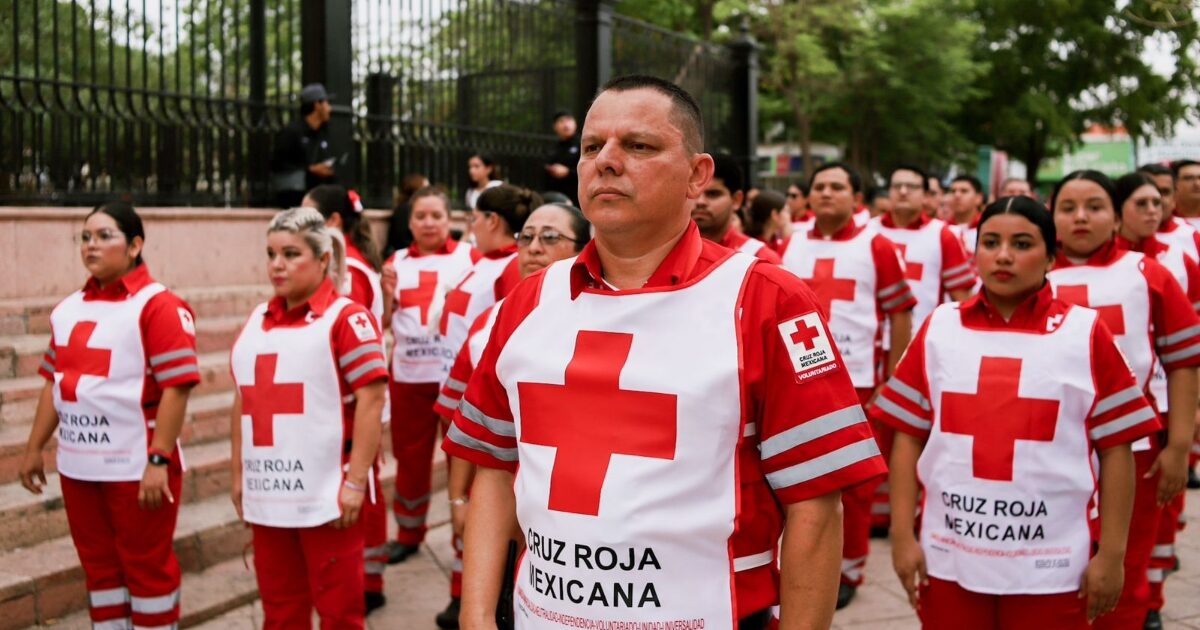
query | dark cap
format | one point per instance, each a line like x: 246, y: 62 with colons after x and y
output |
x: 560, y: 113
x: 313, y: 93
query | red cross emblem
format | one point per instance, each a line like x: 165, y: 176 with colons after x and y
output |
x: 1112, y: 316
x: 76, y: 360
x: 805, y: 334
x: 590, y: 418
x: 265, y: 399
x: 421, y: 296
x: 996, y: 417
x: 829, y: 288
x: 457, y: 302
x: 912, y: 270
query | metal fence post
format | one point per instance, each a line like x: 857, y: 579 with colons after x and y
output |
x: 258, y: 170
x: 744, y: 139
x: 381, y: 166
x: 593, y: 50
x: 326, y: 55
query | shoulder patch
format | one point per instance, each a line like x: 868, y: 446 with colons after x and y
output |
x: 362, y: 327
x: 809, y: 346
x: 186, y: 321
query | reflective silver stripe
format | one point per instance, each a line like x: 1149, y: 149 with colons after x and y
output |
x: 160, y: 359
x: 1156, y: 575
x: 1196, y: 306
x: 914, y: 396
x: 881, y: 508
x: 750, y: 429
x: 852, y: 574
x: 108, y: 597
x: 886, y: 291
x: 155, y: 605
x: 413, y: 504
x: 190, y: 368
x: 1116, y: 400
x: 52, y: 353
x: 882, y: 488
x: 347, y: 399
x: 456, y: 385
x: 172, y: 626
x: 962, y: 278
x: 373, y: 364
x: 374, y: 551
x: 1175, y: 338
x: 113, y: 624
x: 811, y: 430
x: 954, y: 271
x: 374, y: 568
x: 1120, y: 424
x: 499, y: 427
x: 1187, y: 352
x: 897, y: 301
x: 835, y: 460
x: 411, y: 522
x: 457, y: 436
x: 349, y: 357
x: 458, y: 545
x: 456, y: 566
x: 447, y: 402
x: 745, y: 563
x: 46, y: 366
x: 1162, y: 551
x: 902, y: 414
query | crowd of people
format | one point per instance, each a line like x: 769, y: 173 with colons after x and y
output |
x: 684, y: 402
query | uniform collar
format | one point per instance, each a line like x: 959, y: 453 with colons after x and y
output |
x: 503, y: 252
x: 1170, y: 226
x: 676, y: 268
x: 733, y: 239
x: 446, y: 248
x: 1102, y: 257
x: 1149, y: 246
x: 848, y: 231
x: 1029, y: 314
x: 317, y: 304
x: 922, y: 220
x: 130, y: 283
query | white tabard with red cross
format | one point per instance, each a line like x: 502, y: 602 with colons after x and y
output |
x: 421, y: 286
x: 627, y: 414
x: 373, y: 277
x: 472, y: 295
x: 1007, y: 469
x: 99, y: 377
x: 922, y: 253
x: 843, y: 275
x: 292, y: 435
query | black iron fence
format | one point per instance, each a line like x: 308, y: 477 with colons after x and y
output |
x: 177, y: 102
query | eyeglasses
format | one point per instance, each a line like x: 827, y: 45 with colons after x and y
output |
x: 103, y: 235
x: 548, y: 237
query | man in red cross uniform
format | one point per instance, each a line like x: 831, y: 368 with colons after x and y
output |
x: 652, y: 415
x: 714, y: 210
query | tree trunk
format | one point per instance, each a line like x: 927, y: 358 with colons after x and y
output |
x: 804, y: 126
x: 704, y: 9
x: 1034, y: 153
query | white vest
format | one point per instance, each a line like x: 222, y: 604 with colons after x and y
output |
x: 656, y: 531
x: 853, y: 319
x: 1028, y: 533
x: 966, y: 234
x: 419, y: 352
x: 1181, y: 237
x: 471, y: 297
x: 373, y: 277
x: 478, y: 341
x: 1173, y: 259
x: 102, y: 432
x: 751, y: 246
x: 292, y: 476
x: 922, y: 250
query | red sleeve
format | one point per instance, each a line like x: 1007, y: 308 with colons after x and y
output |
x: 169, y: 338
x: 358, y: 346
x: 813, y: 435
x: 1192, y: 270
x: 903, y: 403
x: 450, y: 397
x: 767, y: 254
x: 1176, y: 325
x: 483, y: 431
x: 957, y: 272
x: 46, y: 368
x: 1121, y: 413
x: 508, y: 280
x: 891, y: 288
x: 360, y: 288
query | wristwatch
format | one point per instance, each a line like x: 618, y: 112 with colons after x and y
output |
x: 158, y: 459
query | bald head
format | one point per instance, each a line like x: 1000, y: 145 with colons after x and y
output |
x: 685, y: 112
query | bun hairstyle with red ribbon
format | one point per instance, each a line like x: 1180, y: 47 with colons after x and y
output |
x: 331, y: 199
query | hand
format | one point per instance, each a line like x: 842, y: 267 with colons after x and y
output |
x: 557, y: 171
x: 909, y: 561
x: 388, y: 281
x: 1102, y: 583
x: 235, y: 494
x: 458, y: 518
x: 1172, y: 463
x: 321, y: 169
x: 154, y: 487
x: 33, y: 472
x: 351, y: 502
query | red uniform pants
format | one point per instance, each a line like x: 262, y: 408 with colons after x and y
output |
x: 127, y: 553
x: 945, y: 605
x: 414, y: 434
x: 856, y: 518
x: 1143, y: 529
x: 305, y: 567
x: 374, y: 524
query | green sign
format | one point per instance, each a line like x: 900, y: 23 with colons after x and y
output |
x: 1113, y: 158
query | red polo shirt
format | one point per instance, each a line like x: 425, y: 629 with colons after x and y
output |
x: 736, y: 241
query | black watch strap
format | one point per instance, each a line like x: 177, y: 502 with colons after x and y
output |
x: 156, y: 459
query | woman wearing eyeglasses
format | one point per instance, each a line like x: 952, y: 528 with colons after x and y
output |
x: 120, y: 366
x: 552, y: 233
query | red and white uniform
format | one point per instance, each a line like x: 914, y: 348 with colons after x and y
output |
x: 967, y: 233
x: 862, y: 216
x: 658, y: 418
x: 1153, y: 322
x: 1007, y: 469
x: 418, y: 368
x: 487, y: 282
x: 112, y: 352
x: 1181, y: 234
x: 1192, y: 221
x: 935, y: 260
x: 295, y: 371
x: 739, y: 242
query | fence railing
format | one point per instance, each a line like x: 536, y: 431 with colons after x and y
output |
x: 177, y: 102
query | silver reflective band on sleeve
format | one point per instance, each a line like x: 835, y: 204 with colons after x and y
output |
x: 190, y: 368
x: 52, y: 353
x: 914, y: 396
x: 160, y: 359
x: 413, y: 504
x: 1196, y: 306
x: 411, y: 522
x: 887, y: 291
x: 374, y: 568
x: 373, y: 364
x: 881, y: 508
x: 897, y: 301
x: 456, y: 566
x: 811, y: 430
x: 1163, y: 551
x: 835, y: 460
x: 745, y: 563
x: 113, y: 624
x: 456, y: 385
x: 155, y: 605
x: 751, y: 429
x: 347, y: 399
x: 1180, y: 355
x: 456, y: 435
x: 1120, y: 424
x: 374, y: 551
x: 903, y: 414
x: 499, y: 427
x: 172, y: 626
x: 1156, y: 576
x: 1116, y: 400
x: 46, y: 366
x: 954, y: 271
x: 108, y: 597
x: 447, y: 402
x: 1167, y: 340
x: 349, y: 357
